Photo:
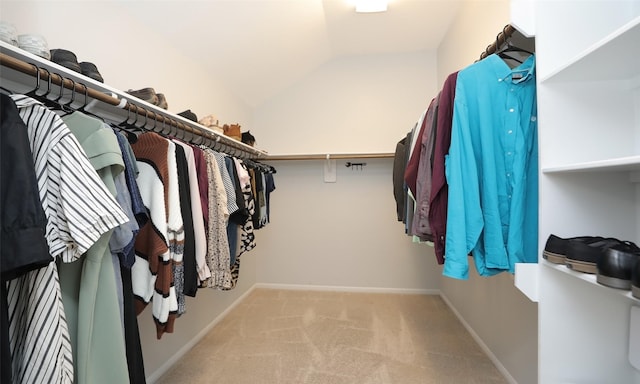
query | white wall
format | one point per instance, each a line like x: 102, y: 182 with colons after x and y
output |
x: 127, y: 56
x: 349, y: 105
x: 505, y: 320
x: 344, y: 233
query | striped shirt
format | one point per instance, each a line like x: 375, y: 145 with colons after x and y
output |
x: 79, y: 209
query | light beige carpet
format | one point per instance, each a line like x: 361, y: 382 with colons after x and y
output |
x: 309, y: 337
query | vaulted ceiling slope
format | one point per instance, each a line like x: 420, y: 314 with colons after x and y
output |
x: 259, y: 47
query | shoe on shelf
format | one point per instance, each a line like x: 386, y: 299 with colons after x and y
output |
x: 66, y: 58
x: 555, y: 249
x: 162, y: 101
x: 232, y: 131
x: 616, y: 265
x: 189, y: 115
x: 583, y: 257
x: 90, y: 70
x: 635, y: 279
x: 147, y: 94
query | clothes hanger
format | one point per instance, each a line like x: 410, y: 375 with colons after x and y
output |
x: 33, y: 93
x: 509, y: 46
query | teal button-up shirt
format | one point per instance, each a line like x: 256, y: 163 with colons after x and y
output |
x: 492, y: 169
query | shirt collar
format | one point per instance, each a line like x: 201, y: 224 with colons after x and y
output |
x: 524, y: 71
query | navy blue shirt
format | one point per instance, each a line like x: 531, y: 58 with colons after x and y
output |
x: 492, y: 169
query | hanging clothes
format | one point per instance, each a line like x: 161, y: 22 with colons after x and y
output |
x: 151, y: 273
x: 418, y: 174
x: 89, y: 284
x: 133, y: 347
x: 175, y: 232
x: 190, y: 277
x: 439, y: 195
x: 247, y: 235
x: 200, y: 235
x: 218, y: 257
x: 79, y: 211
x: 24, y: 247
x: 492, y: 169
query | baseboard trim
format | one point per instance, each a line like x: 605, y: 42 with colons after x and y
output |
x: 333, y: 288
x: 164, y: 368
x: 480, y: 342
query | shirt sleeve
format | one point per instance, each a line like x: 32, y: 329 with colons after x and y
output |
x: 86, y: 209
x: 464, y: 220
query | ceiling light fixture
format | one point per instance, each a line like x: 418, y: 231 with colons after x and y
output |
x: 370, y: 6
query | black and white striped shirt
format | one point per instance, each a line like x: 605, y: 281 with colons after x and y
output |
x: 79, y: 209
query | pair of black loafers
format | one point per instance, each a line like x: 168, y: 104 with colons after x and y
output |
x: 68, y: 59
x: 615, y: 262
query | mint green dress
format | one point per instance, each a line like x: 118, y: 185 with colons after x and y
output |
x: 89, y: 283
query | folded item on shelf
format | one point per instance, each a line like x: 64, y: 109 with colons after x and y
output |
x: 8, y: 33
x: 211, y: 122
x: 35, y: 44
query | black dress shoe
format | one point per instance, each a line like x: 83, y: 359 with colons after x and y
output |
x: 635, y: 279
x: 615, y: 266
x: 555, y: 249
x: 66, y: 59
x: 90, y: 70
x: 583, y: 257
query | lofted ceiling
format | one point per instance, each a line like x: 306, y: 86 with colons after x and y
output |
x: 259, y: 47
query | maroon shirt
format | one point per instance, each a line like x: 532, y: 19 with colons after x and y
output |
x: 203, y: 183
x: 439, y: 187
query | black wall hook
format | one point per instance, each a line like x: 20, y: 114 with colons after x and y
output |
x: 357, y: 166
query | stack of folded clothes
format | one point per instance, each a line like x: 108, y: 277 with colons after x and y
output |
x: 615, y: 262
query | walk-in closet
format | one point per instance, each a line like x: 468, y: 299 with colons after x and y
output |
x: 279, y: 130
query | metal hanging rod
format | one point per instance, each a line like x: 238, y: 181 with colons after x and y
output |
x: 157, y: 117
x: 501, y: 39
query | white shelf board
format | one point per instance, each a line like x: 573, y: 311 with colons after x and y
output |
x: 588, y: 278
x: 526, y: 280
x: 628, y: 163
x: 616, y: 57
x: 111, y: 111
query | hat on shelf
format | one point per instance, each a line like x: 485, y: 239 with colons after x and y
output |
x: 211, y: 122
x: 35, y: 44
x: 189, y: 115
x: 146, y: 94
x: 66, y: 59
x: 232, y: 131
x: 90, y: 70
x: 8, y: 33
